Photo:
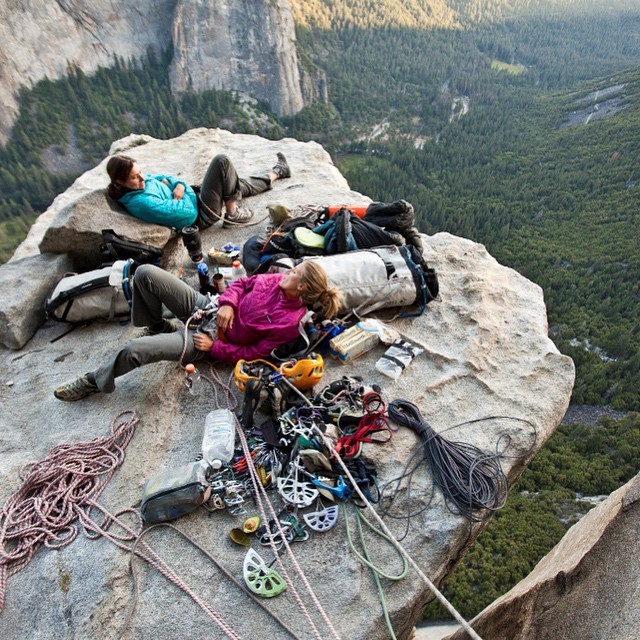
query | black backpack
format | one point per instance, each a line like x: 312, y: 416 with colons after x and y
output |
x: 116, y: 247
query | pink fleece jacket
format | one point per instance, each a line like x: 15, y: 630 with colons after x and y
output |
x: 264, y: 318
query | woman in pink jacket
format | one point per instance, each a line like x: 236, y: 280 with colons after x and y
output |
x: 255, y: 315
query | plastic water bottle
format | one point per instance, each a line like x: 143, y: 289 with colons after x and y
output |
x: 192, y: 380
x: 237, y: 270
x: 219, y: 438
x: 203, y: 276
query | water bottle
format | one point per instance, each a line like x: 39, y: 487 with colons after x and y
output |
x: 219, y: 437
x: 192, y: 380
x: 203, y: 277
x: 237, y: 270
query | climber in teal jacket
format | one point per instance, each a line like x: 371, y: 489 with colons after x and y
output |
x: 162, y: 200
x: 165, y: 200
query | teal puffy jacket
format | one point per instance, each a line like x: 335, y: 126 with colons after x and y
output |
x: 155, y: 203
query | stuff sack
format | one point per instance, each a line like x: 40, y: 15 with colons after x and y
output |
x: 174, y: 493
x: 380, y: 277
x: 101, y: 294
x: 116, y: 247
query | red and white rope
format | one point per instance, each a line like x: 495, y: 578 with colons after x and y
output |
x: 44, y: 508
x: 262, y: 498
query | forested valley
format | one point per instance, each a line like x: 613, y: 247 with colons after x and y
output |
x: 514, y: 126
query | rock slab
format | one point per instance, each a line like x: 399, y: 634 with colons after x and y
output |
x: 24, y: 286
x: 486, y: 353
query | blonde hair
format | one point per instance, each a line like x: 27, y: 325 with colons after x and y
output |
x: 317, y: 290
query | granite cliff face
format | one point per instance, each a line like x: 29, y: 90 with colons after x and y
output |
x: 585, y: 588
x: 243, y: 45
x: 239, y: 45
x: 486, y: 353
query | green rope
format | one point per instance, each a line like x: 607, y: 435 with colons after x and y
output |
x: 365, y: 559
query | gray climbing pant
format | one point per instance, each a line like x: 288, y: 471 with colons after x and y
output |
x: 221, y: 183
x: 153, y: 287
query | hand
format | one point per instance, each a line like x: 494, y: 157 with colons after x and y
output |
x: 225, y: 317
x: 178, y: 192
x: 202, y: 342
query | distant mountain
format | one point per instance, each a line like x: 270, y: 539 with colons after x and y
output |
x: 243, y: 45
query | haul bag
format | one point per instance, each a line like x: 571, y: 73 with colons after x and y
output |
x: 382, y: 277
x: 174, y: 493
x: 101, y: 294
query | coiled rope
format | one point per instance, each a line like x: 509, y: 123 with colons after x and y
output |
x: 470, y: 479
x: 365, y: 559
x: 53, y: 494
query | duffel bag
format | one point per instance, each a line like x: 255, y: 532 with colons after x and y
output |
x: 381, y: 277
x: 101, y: 294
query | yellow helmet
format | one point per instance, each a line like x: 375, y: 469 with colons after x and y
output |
x: 246, y: 370
x: 306, y: 373
x: 302, y: 374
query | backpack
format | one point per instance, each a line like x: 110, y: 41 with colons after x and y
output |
x: 101, y: 294
x: 381, y: 277
x: 116, y: 247
x: 345, y: 231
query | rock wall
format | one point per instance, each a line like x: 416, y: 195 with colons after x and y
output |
x: 227, y: 44
x: 39, y: 38
x: 585, y: 588
x: 243, y: 45
x: 486, y: 353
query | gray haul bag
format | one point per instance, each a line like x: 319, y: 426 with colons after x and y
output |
x: 379, y: 278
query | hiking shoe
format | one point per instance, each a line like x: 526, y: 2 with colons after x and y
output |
x: 76, y: 390
x: 281, y: 168
x: 239, y: 216
x: 169, y: 325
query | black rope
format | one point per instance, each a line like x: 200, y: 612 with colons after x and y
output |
x: 471, y: 480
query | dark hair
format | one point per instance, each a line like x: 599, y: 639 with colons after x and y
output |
x: 118, y: 168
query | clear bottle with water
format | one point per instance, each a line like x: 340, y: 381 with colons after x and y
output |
x: 219, y: 438
x: 192, y: 380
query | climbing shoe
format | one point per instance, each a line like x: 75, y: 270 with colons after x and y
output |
x: 76, y: 390
x: 239, y: 216
x: 281, y: 168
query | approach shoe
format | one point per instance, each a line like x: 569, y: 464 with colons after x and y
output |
x: 76, y: 390
x: 169, y: 325
x: 239, y: 216
x: 281, y: 168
